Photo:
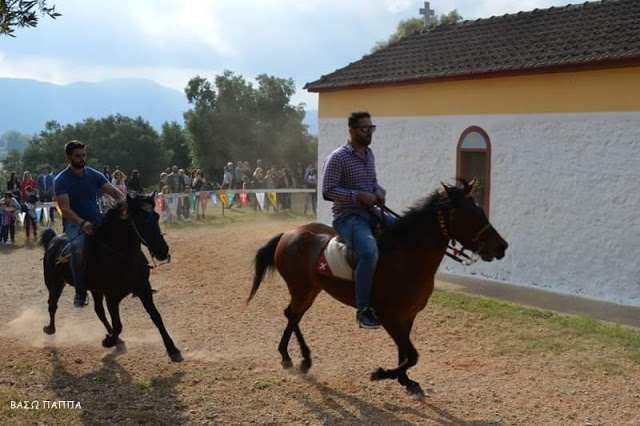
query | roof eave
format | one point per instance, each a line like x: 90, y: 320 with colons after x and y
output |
x: 543, y: 69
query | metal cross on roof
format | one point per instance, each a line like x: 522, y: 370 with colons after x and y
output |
x: 427, y: 12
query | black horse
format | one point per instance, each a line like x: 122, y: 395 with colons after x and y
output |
x: 115, y: 266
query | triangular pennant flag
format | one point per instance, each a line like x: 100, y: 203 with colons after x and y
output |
x: 260, y: 197
x: 192, y: 201
x: 214, y: 198
x: 21, y: 216
x: 223, y: 198
x: 232, y: 196
x: 244, y: 199
x: 160, y: 202
x: 175, y: 199
x: 204, y: 199
x: 39, y: 213
x: 183, y: 199
x: 46, y: 215
x: 273, y: 198
x: 59, y: 211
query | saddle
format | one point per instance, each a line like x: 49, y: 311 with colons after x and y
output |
x: 337, y: 260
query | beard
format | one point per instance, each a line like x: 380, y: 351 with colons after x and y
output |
x: 77, y: 164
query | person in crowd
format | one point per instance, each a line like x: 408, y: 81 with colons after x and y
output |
x: 285, y: 182
x: 133, y: 184
x: 163, y: 181
x: 227, y: 178
x: 198, y: 184
x: 29, y: 209
x: 27, y: 180
x: 106, y: 173
x: 270, y: 183
x: 13, y: 185
x: 119, y: 181
x: 175, y: 182
x: 257, y: 183
x: 298, y: 176
x: 185, y: 204
x: 311, y: 182
x: 185, y: 178
x: 166, y: 211
x: 9, y: 208
x: 44, y: 183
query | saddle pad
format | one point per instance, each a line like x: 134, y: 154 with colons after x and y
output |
x: 333, y: 261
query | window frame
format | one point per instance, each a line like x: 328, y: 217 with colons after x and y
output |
x: 487, y: 170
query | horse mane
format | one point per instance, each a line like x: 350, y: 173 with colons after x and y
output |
x: 404, y: 228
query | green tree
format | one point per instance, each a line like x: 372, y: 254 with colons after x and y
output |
x: 413, y: 25
x: 174, y: 139
x: 11, y: 163
x: 115, y: 141
x: 23, y: 13
x: 232, y: 120
x: 13, y: 139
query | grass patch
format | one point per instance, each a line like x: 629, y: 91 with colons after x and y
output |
x: 265, y: 383
x: 565, y: 327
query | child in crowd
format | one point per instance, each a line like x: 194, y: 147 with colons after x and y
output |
x: 29, y: 208
x: 9, y: 209
x: 166, y: 211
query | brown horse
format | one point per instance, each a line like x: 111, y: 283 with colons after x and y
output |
x: 410, y: 252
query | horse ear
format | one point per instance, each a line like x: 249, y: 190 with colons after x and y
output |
x: 446, y: 188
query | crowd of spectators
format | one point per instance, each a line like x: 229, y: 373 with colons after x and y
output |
x: 23, y: 195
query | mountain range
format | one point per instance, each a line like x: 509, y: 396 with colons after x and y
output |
x: 26, y: 105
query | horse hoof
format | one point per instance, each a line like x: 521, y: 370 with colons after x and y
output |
x: 416, y: 390
x: 49, y: 330
x: 176, y: 356
x: 379, y: 374
x: 305, y: 365
x: 287, y: 364
x: 109, y: 341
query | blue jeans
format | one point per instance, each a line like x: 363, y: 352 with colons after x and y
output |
x: 355, y: 231
x: 77, y: 240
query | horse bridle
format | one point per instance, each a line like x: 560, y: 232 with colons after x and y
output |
x: 457, y: 254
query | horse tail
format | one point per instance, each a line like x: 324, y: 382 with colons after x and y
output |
x: 264, y: 262
x: 46, y: 236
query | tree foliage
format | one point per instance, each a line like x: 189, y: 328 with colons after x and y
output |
x: 13, y: 140
x: 233, y: 120
x: 175, y: 140
x: 116, y: 141
x: 413, y: 25
x: 23, y: 13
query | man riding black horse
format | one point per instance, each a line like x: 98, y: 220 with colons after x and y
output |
x: 77, y: 190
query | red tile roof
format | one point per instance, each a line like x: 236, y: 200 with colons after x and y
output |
x: 604, y: 33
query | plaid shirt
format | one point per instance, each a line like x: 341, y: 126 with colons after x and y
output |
x: 345, y: 174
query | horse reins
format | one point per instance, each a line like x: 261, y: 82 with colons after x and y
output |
x: 451, y: 251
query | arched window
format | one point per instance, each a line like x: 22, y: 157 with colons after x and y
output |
x: 474, y: 162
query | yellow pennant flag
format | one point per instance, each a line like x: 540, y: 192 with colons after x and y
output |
x: 272, y: 197
x: 59, y: 211
x: 223, y: 197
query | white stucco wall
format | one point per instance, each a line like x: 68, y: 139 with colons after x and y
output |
x: 565, y: 192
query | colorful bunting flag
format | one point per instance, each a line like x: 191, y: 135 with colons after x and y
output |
x: 160, y: 203
x: 204, y: 199
x: 244, y: 199
x: 232, y: 196
x: 21, y: 216
x: 39, y: 213
x: 260, y: 197
x: 214, y: 198
x: 273, y: 198
x: 192, y: 201
x: 223, y: 198
x: 59, y: 211
x: 46, y: 215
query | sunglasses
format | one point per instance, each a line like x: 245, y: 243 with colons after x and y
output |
x: 366, y: 129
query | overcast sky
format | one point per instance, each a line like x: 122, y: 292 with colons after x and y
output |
x: 170, y: 41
